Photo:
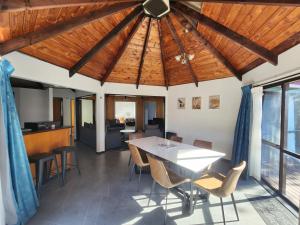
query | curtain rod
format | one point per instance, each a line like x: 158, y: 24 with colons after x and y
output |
x: 278, y: 80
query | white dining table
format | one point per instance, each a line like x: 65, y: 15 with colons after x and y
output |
x: 186, y: 156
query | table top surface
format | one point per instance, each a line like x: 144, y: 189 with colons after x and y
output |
x: 188, y: 156
x: 127, y: 131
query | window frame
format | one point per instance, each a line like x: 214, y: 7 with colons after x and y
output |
x: 281, y: 147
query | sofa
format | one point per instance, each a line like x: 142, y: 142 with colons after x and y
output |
x: 88, y: 135
x: 113, y: 136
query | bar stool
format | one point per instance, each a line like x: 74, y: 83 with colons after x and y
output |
x: 63, y: 151
x: 39, y: 160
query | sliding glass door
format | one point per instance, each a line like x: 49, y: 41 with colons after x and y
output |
x: 281, y: 139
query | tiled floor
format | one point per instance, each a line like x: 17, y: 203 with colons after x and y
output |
x: 102, y: 195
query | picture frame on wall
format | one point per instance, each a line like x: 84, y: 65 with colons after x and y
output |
x: 181, y: 103
x: 196, y: 103
x: 214, y: 102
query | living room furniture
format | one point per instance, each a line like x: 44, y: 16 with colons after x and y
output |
x: 88, y: 135
x: 153, y: 130
x: 113, y: 136
x: 221, y: 186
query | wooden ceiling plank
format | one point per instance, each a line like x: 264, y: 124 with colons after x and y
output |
x: 221, y: 29
x: 181, y: 48
x: 21, y: 5
x: 34, y: 37
x: 252, y: 2
x: 184, y: 21
x: 163, y: 56
x: 105, y: 40
x: 122, y: 49
x: 143, y: 53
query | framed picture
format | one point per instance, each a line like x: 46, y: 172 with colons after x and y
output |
x: 214, y: 102
x: 181, y: 103
x: 196, y: 103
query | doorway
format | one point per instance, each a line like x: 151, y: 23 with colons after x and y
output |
x: 58, y: 111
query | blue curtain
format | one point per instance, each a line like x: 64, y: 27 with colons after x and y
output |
x: 22, y: 183
x: 242, y: 129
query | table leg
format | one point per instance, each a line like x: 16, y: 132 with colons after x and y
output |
x: 191, y: 205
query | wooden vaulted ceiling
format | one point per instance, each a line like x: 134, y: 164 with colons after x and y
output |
x: 113, y: 41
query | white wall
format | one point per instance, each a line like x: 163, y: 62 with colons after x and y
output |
x: 32, y: 105
x: 87, y: 111
x: 215, y: 125
x: 288, y: 63
x: 29, y: 68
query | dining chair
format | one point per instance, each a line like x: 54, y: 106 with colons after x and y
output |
x: 203, y: 144
x: 164, y: 177
x: 176, y: 138
x: 221, y: 186
x: 137, y: 161
x: 133, y: 136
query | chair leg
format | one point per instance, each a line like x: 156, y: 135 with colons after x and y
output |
x: 191, y: 198
x: 152, y: 189
x: 63, y: 167
x: 223, y: 214
x: 57, y: 170
x: 166, y: 208
x: 131, y: 171
x: 75, y: 157
x: 40, y: 176
x: 140, y: 173
x: 129, y: 160
x: 235, y: 208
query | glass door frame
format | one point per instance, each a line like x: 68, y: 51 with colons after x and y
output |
x: 281, y: 147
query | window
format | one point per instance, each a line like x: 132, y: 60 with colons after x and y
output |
x: 281, y: 139
x: 124, y: 110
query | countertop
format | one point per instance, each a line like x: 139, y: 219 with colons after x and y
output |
x: 46, y: 130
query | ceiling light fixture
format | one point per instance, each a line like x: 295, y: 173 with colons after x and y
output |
x: 184, y: 58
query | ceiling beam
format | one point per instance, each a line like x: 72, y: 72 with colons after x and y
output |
x: 163, y: 56
x: 181, y: 48
x: 105, y: 40
x: 143, y: 53
x: 20, y: 5
x: 122, y: 49
x: 224, y: 31
x: 252, y: 2
x: 37, y: 36
x: 184, y: 21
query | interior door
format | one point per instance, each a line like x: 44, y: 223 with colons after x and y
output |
x: 57, y: 110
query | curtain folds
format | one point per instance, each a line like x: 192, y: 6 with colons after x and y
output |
x: 25, y: 199
x: 242, y: 129
x: 255, y: 135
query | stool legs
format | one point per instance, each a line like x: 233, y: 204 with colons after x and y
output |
x: 40, y: 166
x: 76, y: 162
x: 63, y: 166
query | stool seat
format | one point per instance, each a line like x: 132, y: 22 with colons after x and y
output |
x: 39, y: 156
x: 64, y: 149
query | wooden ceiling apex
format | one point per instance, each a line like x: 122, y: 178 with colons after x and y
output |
x: 221, y: 29
x: 143, y: 53
x: 181, y: 48
x: 103, y: 42
x: 184, y: 21
x: 122, y: 48
x: 21, y: 5
x: 37, y: 36
x: 113, y: 41
x: 251, y: 2
x: 163, y: 56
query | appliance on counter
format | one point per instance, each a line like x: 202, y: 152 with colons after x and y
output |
x: 43, y: 125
